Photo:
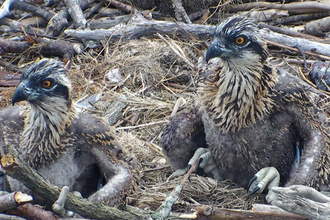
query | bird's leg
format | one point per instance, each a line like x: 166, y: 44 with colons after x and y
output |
x: 268, y: 176
x: 206, y: 163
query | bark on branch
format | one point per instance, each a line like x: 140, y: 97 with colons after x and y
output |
x: 291, y: 7
x: 211, y: 213
x: 12, y: 200
x: 139, y: 27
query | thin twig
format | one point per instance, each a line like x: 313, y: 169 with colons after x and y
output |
x: 180, y: 54
x: 143, y: 125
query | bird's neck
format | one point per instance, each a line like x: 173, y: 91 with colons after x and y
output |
x: 238, y: 95
x: 44, y: 137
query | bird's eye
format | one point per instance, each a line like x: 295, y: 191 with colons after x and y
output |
x: 46, y: 83
x: 240, y: 40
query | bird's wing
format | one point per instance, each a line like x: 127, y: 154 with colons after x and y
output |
x: 307, y: 105
x: 181, y: 138
x: 11, y: 126
x: 118, y: 166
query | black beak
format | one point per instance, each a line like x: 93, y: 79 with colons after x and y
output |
x: 23, y: 92
x: 216, y: 49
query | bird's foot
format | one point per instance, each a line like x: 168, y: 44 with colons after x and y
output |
x: 206, y: 163
x: 301, y: 200
x: 268, y: 176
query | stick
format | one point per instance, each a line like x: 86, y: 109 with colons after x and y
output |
x: 164, y: 210
x: 11, y: 217
x: 24, y: 6
x: 292, y: 6
x: 143, y: 125
x: 318, y: 27
x: 76, y: 13
x: 12, y: 200
x: 287, y: 31
x: 180, y: 12
x: 212, y: 213
x: 30, y: 211
x: 8, y: 46
x: 303, y: 44
x: 58, y: 206
x: 121, y: 6
x: 140, y: 26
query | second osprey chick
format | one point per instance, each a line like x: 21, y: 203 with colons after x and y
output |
x: 254, y: 118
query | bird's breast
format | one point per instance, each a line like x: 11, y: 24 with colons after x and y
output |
x: 240, y: 154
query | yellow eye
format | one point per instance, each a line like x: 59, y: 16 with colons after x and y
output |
x: 46, y: 83
x: 240, y: 40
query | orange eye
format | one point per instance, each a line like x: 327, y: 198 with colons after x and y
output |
x: 46, y: 83
x: 240, y: 40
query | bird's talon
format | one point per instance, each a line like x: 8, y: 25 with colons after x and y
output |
x: 266, y: 177
x: 254, y: 191
x: 251, y: 181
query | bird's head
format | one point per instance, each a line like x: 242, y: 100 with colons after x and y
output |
x: 237, y: 39
x: 45, y: 83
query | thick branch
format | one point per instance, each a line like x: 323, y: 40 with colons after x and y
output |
x: 30, y: 211
x: 318, y: 27
x: 121, y: 6
x: 76, y: 13
x: 8, y: 46
x: 24, y: 6
x: 301, y: 44
x: 143, y: 27
x: 292, y: 6
x: 12, y: 200
x: 180, y: 12
x: 211, y: 213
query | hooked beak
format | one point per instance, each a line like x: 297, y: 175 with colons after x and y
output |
x: 217, y: 49
x: 23, y: 92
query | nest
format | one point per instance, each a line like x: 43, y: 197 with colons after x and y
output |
x: 151, y: 79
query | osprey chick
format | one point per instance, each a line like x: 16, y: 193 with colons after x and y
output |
x: 77, y: 151
x: 254, y: 118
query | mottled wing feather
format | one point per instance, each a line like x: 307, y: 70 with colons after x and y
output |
x: 312, y: 120
x: 11, y: 126
x: 96, y: 133
x: 181, y: 138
